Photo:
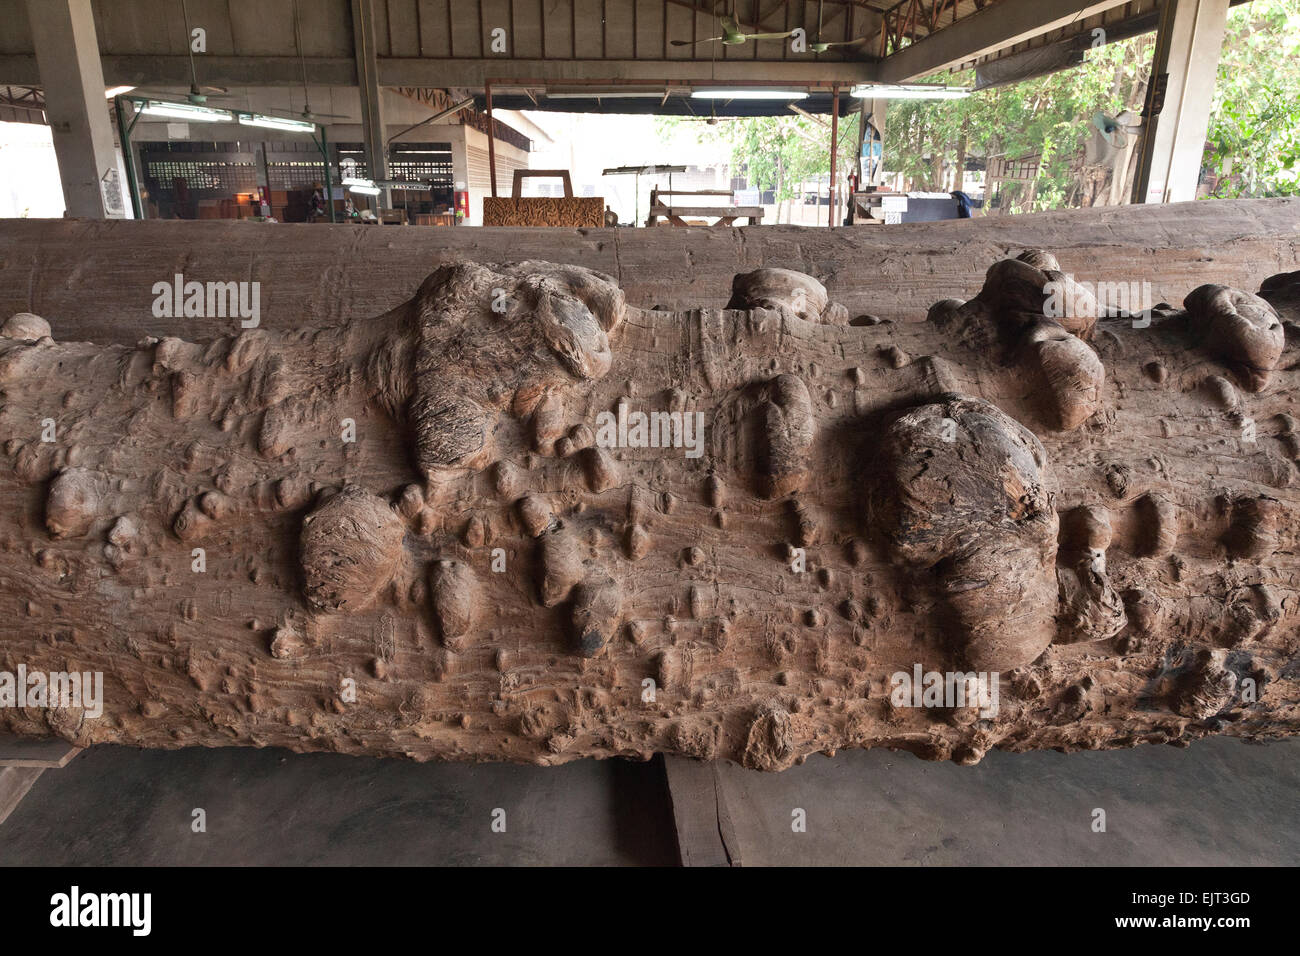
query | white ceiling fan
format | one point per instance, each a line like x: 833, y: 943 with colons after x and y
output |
x: 733, y: 34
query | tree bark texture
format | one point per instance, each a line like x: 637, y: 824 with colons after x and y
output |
x: 1100, y: 513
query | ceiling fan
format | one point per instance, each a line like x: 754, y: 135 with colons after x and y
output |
x: 307, y: 114
x: 732, y: 35
x: 198, y: 95
x: 821, y: 46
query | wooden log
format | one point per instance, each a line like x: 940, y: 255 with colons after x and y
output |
x: 517, y: 518
x: 328, y: 273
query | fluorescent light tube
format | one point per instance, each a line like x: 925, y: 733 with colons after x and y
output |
x: 749, y: 94
x: 607, y: 95
x: 276, y: 122
x: 186, y: 111
x: 910, y: 91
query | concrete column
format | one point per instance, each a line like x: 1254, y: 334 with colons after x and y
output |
x: 1184, y: 68
x: 456, y: 136
x: 67, y: 55
x: 372, y: 102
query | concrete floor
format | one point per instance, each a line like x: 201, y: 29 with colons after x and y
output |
x: 1219, y: 802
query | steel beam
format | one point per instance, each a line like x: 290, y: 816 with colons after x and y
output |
x: 995, y: 27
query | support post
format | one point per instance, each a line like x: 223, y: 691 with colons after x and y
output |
x: 124, y: 129
x: 1177, y: 111
x: 705, y: 834
x: 835, y: 143
x: 324, y: 147
x: 263, y: 174
x: 67, y: 54
x: 492, y: 141
x: 876, y: 114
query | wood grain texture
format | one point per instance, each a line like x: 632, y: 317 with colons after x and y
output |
x: 1072, y: 503
x: 95, y: 277
x: 574, y: 212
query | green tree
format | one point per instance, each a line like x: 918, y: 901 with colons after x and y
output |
x: 1048, y: 116
x: 1253, y: 143
x: 776, y: 152
x: 1252, y: 149
x: 1253, y: 146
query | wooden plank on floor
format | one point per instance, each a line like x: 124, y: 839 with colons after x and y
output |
x: 47, y: 753
x: 705, y: 835
x: 14, y: 784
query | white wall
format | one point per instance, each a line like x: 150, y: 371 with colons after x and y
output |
x: 29, y: 174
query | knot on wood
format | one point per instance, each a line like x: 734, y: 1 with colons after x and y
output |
x: 492, y: 339
x: 965, y: 505
x: 1242, y: 329
x: 350, y: 548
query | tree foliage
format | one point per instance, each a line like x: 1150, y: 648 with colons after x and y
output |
x: 776, y: 152
x: 1047, y: 116
x: 1254, y: 139
x: 1252, y: 149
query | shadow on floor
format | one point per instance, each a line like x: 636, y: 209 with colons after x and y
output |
x: 1219, y: 802
x: 122, y: 806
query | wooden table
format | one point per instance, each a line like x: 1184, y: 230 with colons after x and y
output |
x: 725, y: 215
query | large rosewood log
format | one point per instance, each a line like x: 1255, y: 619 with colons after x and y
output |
x: 517, y: 518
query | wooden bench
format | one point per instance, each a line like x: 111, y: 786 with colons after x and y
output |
x: 725, y: 215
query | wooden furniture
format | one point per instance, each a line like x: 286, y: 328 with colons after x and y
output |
x: 1019, y: 169
x: 877, y: 207
x: 561, y: 174
x: 885, y: 207
x: 568, y: 210
x: 725, y: 215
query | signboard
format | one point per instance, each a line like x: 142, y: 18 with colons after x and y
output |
x: 110, y: 189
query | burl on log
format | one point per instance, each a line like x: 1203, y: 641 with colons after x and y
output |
x: 447, y: 532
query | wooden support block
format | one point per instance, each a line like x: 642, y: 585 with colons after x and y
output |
x: 44, y: 753
x: 705, y: 835
x: 14, y: 784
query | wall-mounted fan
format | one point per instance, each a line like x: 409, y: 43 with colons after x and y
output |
x: 1110, y: 136
x: 1115, y: 130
